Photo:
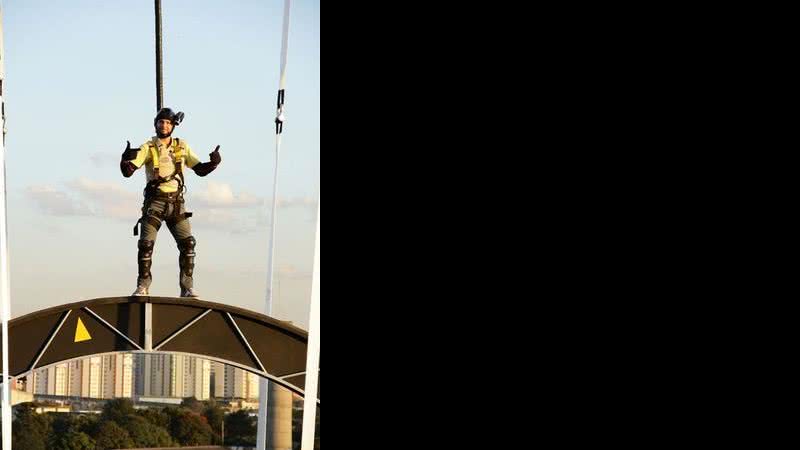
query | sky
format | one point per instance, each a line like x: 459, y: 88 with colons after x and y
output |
x: 80, y: 82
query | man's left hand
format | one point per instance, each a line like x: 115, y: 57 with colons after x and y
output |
x: 215, y: 157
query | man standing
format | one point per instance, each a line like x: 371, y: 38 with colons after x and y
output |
x: 164, y: 158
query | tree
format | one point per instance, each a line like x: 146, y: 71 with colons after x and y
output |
x: 117, y: 410
x: 86, y: 424
x: 146, y: 435
x: 192, y: 404
x: 74, y: 440
x: 214, y: 415
x: 111, y: 436
x: 30, y: 430
x: 156, y: 417
x: 63, y: 424
x: 188, y: 428
x: 240, y: 429
x: 28, y: 440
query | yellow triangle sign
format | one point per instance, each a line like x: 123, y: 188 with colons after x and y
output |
x: 81, y: 333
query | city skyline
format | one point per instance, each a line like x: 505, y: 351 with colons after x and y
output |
x: 145, y: 377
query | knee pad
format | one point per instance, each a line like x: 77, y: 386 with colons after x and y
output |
x: 186, y: 246
x: 186, y: 258
x: 145, y: 258
x: 146, y: 249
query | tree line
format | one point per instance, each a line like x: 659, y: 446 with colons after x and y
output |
x: 121, y: 426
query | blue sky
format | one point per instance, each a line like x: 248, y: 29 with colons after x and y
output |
x: 80, y: 81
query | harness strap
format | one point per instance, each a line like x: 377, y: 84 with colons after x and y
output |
x: 151, y: 189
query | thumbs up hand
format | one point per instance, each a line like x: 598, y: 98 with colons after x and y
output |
x: 215, y: 157
x: 129, y: 153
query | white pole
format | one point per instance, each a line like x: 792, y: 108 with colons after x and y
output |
x: 273, y: 226
x: 261, y: 439
x: 312, y: 358
x: 5, y: 292
x: 263, y: 402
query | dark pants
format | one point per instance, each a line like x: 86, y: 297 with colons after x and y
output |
x: 171, y: 211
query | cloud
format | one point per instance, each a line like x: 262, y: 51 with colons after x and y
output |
x: 220, y: 195
x: 108, y: 199
x: 218, y: 207
x: 103, y: 192
x: 87, y: 198
x: 57, y: 203
x: 104, y: 159
x: 215, y: 218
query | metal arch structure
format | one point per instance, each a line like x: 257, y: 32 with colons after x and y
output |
x: 269, y: 348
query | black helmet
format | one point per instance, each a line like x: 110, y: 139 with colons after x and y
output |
x: 167, y: 113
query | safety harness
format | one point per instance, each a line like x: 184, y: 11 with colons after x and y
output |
x: 152, y: 192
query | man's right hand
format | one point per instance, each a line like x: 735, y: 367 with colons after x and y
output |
x: 129, y: 153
